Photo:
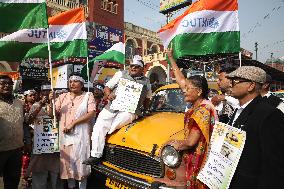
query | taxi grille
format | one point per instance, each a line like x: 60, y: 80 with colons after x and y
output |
x: 133, y: 161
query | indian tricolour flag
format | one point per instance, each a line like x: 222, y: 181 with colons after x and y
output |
x: 22, y: 14
x: 67, y: 36
x: 207, y: 27
x: 115, y: 54
x: 19, y: 15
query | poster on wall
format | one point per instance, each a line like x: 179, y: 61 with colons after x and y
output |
x: 225, y: 149
x: 46, y: 137
x: 167, y: 6
x: 101, y: 38
x: 60, y: 76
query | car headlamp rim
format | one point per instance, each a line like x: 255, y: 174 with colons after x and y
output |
x: 177, y: 157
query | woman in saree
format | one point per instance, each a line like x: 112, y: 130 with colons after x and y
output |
x: 198, y: 124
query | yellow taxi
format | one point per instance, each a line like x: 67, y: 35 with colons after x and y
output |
x: 279, y: 94
x: 137, y: 155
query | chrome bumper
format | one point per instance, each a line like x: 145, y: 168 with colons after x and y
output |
x: 132, y: 181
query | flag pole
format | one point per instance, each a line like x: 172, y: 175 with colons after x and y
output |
x: 88, y: 73
x: 240, y: 58
x: 168, y: 65
x: 51, y: 79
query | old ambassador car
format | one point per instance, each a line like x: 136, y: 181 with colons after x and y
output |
x: 137, y: 155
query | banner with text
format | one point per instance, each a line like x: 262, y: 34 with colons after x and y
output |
x: 127, y: 96
x: 225, y: 150
x: 46, y: 138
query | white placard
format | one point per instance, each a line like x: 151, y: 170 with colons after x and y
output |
x: 46, y: 138
x: 127, y: 96
x: 226, y: 146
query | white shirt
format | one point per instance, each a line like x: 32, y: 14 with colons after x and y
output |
x: 240, y: 109
x: 230, y: 100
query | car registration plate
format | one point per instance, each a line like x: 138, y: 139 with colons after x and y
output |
x: 113, y: 184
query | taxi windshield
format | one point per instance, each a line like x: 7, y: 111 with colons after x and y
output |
x: 169, y: 100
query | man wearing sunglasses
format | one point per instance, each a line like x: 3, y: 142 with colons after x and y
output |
x: 109, y: 120
x: 261, y: 164
x: 272, y: 100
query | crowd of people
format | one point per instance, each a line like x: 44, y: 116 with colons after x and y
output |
x: 86, y: 118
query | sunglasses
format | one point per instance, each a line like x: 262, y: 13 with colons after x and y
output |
x: 237, y: 81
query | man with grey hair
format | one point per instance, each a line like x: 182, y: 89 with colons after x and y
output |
x: 109, y: 120
x: 261, y: 163
x: 272, y: 100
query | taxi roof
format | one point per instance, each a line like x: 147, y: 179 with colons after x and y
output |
x: 211, y: 85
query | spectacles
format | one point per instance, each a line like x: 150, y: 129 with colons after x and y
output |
x: 236, y: 81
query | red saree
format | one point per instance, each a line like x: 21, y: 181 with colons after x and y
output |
x: 201, y: 118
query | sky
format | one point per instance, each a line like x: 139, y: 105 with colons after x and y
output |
x: 261, y: 21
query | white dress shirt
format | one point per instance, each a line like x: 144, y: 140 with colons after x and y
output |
x: 239, y: 110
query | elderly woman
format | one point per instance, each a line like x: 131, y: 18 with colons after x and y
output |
x: 198, y: 124
x: 75, y: 109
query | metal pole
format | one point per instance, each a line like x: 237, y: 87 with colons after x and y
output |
x: 240, y: 58
x: 168, y: 65
x: 88, y: 73
x: 271, y: 58
x: 256, y: 48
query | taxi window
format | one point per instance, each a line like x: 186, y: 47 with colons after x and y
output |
x: 280, y: 95
x: 169, y: 100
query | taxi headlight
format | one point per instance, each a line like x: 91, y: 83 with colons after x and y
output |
x: 170, y: 156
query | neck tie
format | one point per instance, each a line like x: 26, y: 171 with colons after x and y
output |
x: 232, y: 117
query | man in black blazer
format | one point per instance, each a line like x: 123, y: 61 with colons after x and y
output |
x: 272, y: 100
x: 261, y: 165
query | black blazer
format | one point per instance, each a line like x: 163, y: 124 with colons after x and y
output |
x: 261, y: 165
x: 272, y: 100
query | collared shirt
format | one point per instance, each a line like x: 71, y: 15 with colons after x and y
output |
x: 233, y: 102
x: 240, y: 109
x: 11, y: 125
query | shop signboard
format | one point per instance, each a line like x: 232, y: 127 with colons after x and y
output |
x: 167, y: 6
x: 101, y: 38
x: 33, y: 73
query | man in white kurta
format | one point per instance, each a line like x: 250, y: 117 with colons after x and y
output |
x: 109, y: 120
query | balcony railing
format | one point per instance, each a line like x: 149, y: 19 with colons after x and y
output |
x: 67, y: 5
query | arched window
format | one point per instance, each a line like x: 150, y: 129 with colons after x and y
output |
x: 129, y: 49
x: 153, y: 49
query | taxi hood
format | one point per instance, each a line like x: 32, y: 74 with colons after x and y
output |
x: 155, y: 129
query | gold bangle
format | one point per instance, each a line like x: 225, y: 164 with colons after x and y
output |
x: 175, y: 69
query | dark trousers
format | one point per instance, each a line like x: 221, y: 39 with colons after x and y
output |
x: 10, y: 168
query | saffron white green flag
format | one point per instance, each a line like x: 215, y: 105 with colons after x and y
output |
x: 22, y: 14
x: 115, y: 54
x: 17, y: 15
x: 207, y: 27
x: 67, y: 34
